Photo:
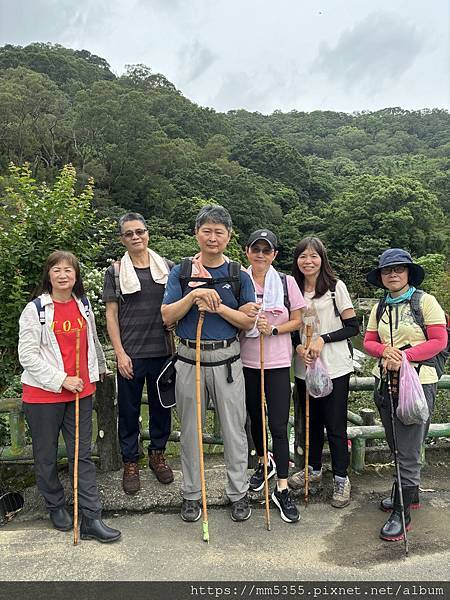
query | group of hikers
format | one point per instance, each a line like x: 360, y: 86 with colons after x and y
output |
x: 146, y: 296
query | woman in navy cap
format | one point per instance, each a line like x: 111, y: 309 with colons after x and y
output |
x: 409, y: 322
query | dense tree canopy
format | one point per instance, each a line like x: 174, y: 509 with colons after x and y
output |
x: 360, y: 181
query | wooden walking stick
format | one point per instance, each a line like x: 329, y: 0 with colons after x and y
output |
x: 263, y: 416
x: 77, y: 442
x: 198, y: 391
x: 308, y: 328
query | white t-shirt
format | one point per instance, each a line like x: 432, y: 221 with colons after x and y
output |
x: 335, y: 355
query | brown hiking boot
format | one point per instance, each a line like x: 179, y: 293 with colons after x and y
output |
x: 157, y: 463
x: 130, y: 482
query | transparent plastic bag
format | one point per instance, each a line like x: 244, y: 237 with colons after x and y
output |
x: 412, y: 405
x: 317, y: 380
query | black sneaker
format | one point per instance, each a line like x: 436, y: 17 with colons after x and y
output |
x: 288, y: 510
x: 190, y: 510
x: 256, y: 482
x: 240, y: 510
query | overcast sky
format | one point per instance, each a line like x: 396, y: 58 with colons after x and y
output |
x: 261, y: 55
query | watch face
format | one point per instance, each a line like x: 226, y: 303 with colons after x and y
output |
x: 274, y: 331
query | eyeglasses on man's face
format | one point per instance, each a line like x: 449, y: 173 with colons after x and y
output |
x: 395, y: 269
x: 132, y: 232
x: 258, y: 249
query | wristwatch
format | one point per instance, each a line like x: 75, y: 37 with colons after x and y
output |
x: 274, y: 331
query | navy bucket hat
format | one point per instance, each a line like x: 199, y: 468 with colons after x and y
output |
x: 396, y: 256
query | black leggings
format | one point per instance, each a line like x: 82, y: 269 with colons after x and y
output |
x: 278, y: 397
x: 329, y: 412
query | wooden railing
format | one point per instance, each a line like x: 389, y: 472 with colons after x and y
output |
x: 106, y: 447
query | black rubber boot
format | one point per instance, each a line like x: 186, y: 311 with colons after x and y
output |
x: 61, y: 520
x: 392, y: 530
x: 387, y: 504
x: 95, y: 529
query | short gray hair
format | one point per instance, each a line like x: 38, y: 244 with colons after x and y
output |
x: 130, y: 216
x: 214, y: 213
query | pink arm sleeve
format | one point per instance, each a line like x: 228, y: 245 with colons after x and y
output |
x: 437, y: 341
x: 372, y: 344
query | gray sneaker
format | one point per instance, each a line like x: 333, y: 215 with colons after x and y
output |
x: 191, y: 510
x: 297, y: 481
x: 240, y: 510
x: 341, y: 493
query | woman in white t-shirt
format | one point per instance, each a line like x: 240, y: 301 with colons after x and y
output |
x: 280, y: 302
x: 327, y: 298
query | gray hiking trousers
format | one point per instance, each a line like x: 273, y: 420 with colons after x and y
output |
x: 409, y: 437
x: 229, y: 403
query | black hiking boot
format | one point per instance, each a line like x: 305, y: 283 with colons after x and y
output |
x: 392, y: 530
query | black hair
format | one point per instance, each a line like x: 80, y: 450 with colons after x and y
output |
x: 326, y: 277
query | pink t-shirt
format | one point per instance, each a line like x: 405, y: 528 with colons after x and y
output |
x: 277, y: 348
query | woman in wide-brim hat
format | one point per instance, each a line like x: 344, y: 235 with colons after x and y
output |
x: 399, y: 310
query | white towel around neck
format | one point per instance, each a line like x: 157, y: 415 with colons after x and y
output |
x: 273, y: 298
x: 128, y: 279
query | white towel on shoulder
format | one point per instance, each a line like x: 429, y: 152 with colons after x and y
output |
x: 273, y: 298
x: 128, y: 279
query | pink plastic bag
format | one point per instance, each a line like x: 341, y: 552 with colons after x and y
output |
x: 317, y: 380
x: 412, y: 405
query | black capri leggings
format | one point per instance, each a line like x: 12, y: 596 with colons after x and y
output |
x: 329, y: 412
x: 278, y: 397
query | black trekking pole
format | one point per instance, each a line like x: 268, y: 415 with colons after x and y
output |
x: 394, y: 440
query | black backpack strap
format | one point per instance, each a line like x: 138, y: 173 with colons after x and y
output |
x: 185, y: 273
x: 333, y: 297
x: 233, y: 278
x: 234, y: 271
x: 287, y: 302
x: 416, y: 310
x: 380, y: 309
x: 116, y: 267
x: 40, y: 310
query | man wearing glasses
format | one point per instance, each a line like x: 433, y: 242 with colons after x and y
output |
x: 133, y: 292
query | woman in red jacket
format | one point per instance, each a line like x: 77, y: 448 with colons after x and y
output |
x: 47, y: 349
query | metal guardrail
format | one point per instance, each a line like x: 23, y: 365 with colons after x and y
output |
x: 107, y: 450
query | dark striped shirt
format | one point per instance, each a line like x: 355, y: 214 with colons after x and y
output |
x: 141, y: 328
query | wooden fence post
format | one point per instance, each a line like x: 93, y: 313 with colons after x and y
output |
x: 107, y: 440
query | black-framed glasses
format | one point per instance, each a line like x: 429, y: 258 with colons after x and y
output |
x: 258, y: 249
x: 131, y: 232
x: 396, y: 269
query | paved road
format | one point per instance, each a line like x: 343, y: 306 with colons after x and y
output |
x: 326, y: 544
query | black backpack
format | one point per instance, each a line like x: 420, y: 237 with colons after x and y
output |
x: 438, y: 361
x: 234, y: 277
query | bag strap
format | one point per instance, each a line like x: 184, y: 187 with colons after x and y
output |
x: 41, y: 309
x: 332, y: 289
x: 416, y: 310
x: 286, y: 299
x: 233, y: 278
